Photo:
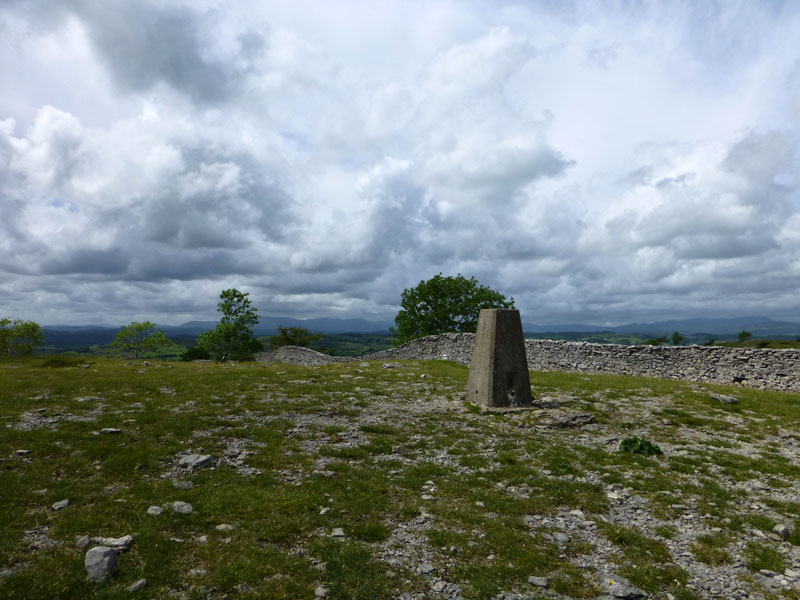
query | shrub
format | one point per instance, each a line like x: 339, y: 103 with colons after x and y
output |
x: 635, y: 445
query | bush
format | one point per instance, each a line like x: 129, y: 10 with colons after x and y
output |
x: 635, y: 445
x: 196, y: 353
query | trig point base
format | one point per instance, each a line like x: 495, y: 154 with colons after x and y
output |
x: 498, y: 376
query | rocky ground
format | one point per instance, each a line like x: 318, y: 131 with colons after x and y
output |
x: 715, y: 515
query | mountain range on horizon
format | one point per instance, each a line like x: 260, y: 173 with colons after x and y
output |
x: 757, y: 325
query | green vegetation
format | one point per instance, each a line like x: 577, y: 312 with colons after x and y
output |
x: 140, y: 338
x: 444, y: 305
x: 636, y: 445
x: 233, y: 338
x: 18, y: 337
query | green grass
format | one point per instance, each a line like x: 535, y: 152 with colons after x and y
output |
x: 380, y: 453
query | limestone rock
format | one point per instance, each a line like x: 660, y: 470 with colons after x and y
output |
x: 100, y: 563
x: 183, y: 508
x: 195, y: 461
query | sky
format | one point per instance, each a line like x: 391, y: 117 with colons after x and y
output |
x: 600, y: 162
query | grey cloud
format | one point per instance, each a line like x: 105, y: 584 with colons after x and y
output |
x: 87, y: 261
x: 761, y: 156
x: 145, y: 43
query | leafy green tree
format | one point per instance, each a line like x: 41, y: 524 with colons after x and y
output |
x: 656, y: 341
x: 442, y: 305
x: 139, y: 338
x: 19, y: 337
x: 744, y: 335
x: 293, y: 336
x: 233, y: 338
x: 677, y: 338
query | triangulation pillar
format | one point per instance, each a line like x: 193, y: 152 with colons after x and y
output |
x: 498, y: 376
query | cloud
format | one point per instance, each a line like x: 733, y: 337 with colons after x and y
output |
x: 597, y: 163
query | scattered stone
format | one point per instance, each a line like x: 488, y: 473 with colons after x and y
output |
x: 40, y: 492
x: 391, y: 365
x: 202, y: 539
x: 195, y: 461
x: 37, y: 539
x: 155, y: 510
x: 197, y: 572
x: 724, y: 399
x: 110, y: 430
x: 60, y: 504
x: 320, y: 592
x: 782, y: 530
x: 182, y: 485
x: 100, y: 563
x: 183, y: 508
x: 87, y: 399
x: 82, y: 543
x: 337, y: 532
x: 22, y: 452
x: 137, y: 585
x: 425, y: 568
x: 325, y: 510
x: 561, y: 537
x: 224, y: 527
x: 123, y: 543
x: 619, y: 587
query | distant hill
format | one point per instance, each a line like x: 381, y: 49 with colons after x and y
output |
x: 90, y: 335
x: 758, y: 326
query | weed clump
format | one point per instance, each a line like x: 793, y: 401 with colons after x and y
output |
x: 635, y: 445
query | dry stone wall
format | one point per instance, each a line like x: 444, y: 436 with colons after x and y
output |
x: 764, y: 369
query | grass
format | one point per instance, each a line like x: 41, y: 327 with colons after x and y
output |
x: 410, y: 473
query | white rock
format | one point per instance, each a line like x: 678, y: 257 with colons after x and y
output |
x: 224, y: 527
x: 155, y: 510
x: 137, y: 585
x: 100, y: 563
x: 61, y: 504
x: 338, y: 532
x: 195, y: 461
x: 538, y: 581
x: 320, y: 592
x: 121, y: 543
x: 183, y: 508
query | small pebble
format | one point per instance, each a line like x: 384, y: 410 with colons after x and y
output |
x: 60, y: 504
x: 538, y: 581
x: 137, y: 585
x: 183, y: 508
x: 82, y: 543
x: 338, y: 532
x: 320, y: 592
x: 155, y: 510
x: 224, y: 527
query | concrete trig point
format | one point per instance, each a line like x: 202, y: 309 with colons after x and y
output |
x: 498, y: 376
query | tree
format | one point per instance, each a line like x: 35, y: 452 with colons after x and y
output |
x: 19, y: 337
x: 293, y: 336
x: 744, y: 335
x: 233, y: 337
x: 139, y: 338
x: 677, y: 338
x: 444, y: 304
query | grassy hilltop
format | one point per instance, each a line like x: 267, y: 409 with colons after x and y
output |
x: 358, y: 481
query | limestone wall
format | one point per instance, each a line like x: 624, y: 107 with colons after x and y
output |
x: 773, y: 369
